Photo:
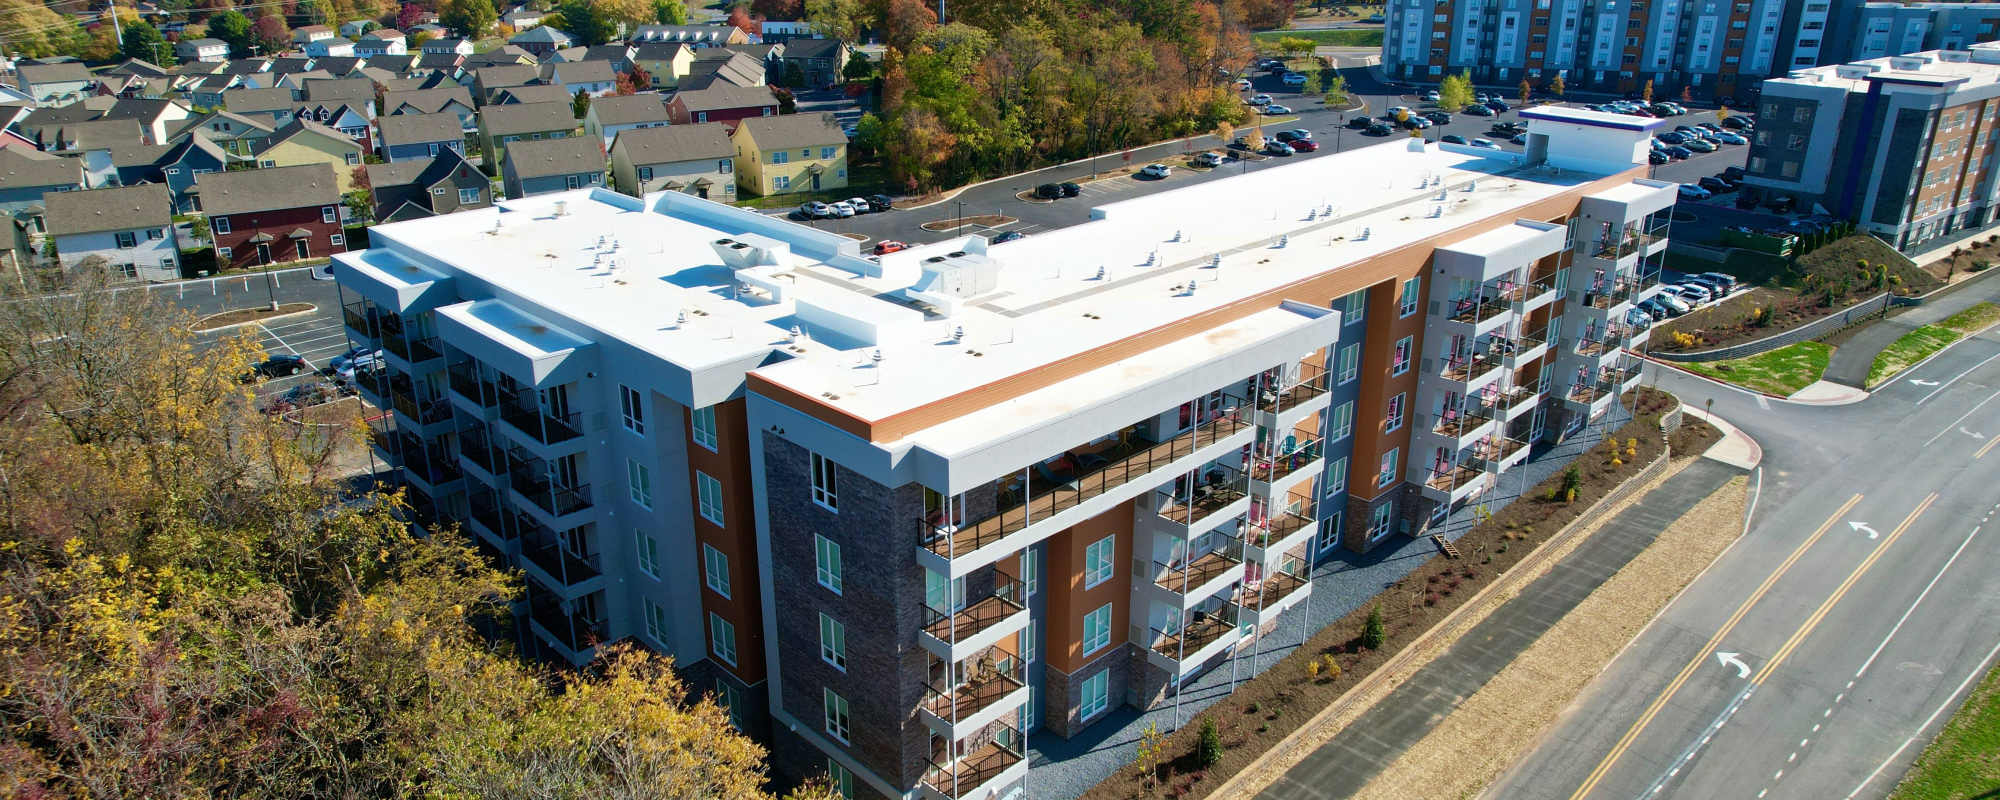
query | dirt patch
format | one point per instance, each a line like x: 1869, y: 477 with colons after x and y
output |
x: 975, y: 220
x: 1497, y: 724
x: 1966, y: 260
x: 246, y: 315
x: 1266, y: 709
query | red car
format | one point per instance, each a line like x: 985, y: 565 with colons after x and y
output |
x: 1304, y: 145
x: 888, y: 246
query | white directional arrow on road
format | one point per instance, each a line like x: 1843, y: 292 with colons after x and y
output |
x: 1863, y: 526
x: 1921, y: 382
x: 1961, y: 429
x: 1729, y: 659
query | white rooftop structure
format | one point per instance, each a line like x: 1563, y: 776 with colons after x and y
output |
x: 1956, y: 70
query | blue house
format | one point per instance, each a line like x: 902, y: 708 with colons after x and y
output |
x: 410, y: 137
x: 175, y: 165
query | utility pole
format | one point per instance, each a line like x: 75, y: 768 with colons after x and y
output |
x: 118, y: 29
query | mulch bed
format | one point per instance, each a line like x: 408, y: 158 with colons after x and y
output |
x: 1973, y: 256
x: 1267, y: 708
x: 242, y: 315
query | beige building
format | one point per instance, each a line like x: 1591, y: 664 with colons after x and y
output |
x: 790, y: 153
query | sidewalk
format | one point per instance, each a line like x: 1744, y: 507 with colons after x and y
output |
x: 1412, y: 710
x: 1851, y: 361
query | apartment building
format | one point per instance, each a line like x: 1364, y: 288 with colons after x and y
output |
x: 900, y: 511
x: 1877, y: 30
x: 1901, y: 145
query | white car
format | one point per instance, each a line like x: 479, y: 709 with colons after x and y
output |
x: 1260, y: 100
x: 1673, y: 302
x: 1242, y: 84
x: 859, y: 205
x: 1209, y: 159
x: 1274, y: 108
x: 1486, y: 143
x: 1294, y: 79
x: 1431, y: 96
x: 842, y: 210
x: 1156, y: 170
x: 1692, y: 292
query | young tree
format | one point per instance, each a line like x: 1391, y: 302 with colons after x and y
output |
x: 1336, y: 90
x: 581, y: 19
x: 144, y: 42
x: 1527, y: 91
x: 1556, y: 86
x: 270, y: 33
x: 837, y: 19
x: 233, y: 29
x: 1208, y: 747
x: 468, y: 18
x: 1647, y: 92
x: 580, y: 104
x: 1373, y: 632
x: 1721, y: 113
x: 670, y: 12
x: 407, y: 16
x: 795, y: 76
x: 858, y: 67
x: 1455, y: 91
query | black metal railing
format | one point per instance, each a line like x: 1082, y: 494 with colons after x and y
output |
x: 545, y: 549
x: 523, y: 411
x: 361, y: 318
x: 1313, y: 381
x: 1009, y: 597
x: 466, y: 380
x: 556, y: 499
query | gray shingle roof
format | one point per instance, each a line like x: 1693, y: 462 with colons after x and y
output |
x: 543, y: 34
x: 147, y: 205
x: 579, y: 72
x: 358, y: 90
x: 643, y: 146
x: 510, y: 75
x: 515, y: 95
x: 723, y: 96
x: 18, y: 170
x: 429, y: 101
x: 419, y: 128
x: 54, y: 73
x: 629, y: 109
x: 270, y: 189
x: 253, y: 101
x: 794, y: 130
x: 526, y: 118
x: 571, y: 156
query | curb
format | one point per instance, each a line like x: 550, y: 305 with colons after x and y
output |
x: 1927, y: 359
x: 235, y: 325
x: 1728, y: 431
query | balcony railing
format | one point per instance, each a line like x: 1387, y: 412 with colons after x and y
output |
x: 1275, y: 586
x: 477, y: 447
x: 1606, y: 342
x: 963, y: 776
x: 1455, y: 423
x: 555, y: 499
x: 384, y: 437
x: 1470, y: 310
x: 979, y: 691
x: 1507, y: 346
x: 426, y: 410
x: 572, y: 630
x: 1009, y: 597
x: 1611, y: 296
x: 1519, y: 294
x: 1221, y: 487
x: 1498, y: 448
x: 469, y: 384
x: 953, y: 541
x: 1513, y: 397
x: 360, y: 318
x: 371, y: 379
x: 1462, y: 369
x: 1188, y: 575
x: 522, y: 411
x: 545, y: 549
x: 429, y: 465
x: 1267, y: 469
x: 1191, y: 638
x: 1274, y: 529
x: 1313, y: 381
x: 487, y: 508
x: 1446, y: 477
x: 1591, y: 391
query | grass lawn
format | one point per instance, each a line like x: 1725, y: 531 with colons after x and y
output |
x: 1340, y: 37
x: 1779, y: 372
x: 1919, y: 344
x: 1963, y: 763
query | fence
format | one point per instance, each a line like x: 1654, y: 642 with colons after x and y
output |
x: 1852, y: 315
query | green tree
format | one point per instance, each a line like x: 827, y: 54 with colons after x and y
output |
x: 468, y: 18
x: 1455, y: 91
x: 795, y: 76
x: 858, y: 67
x: 144, y: 42
x: 581, y: 19
x: 837, y: 19
x: 1295, y: 46
x: 233, y: 29
x: 1527, y: 91
x: 1336, y: 89
x: 670, y: 12
x: 1374, y: 633
x: 1208, y: 749
x: 580, y: 104
x: 34, y: 29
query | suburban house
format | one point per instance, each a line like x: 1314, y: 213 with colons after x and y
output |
x: 665, y: 62
x: 157, y: 118
x: 500, y: 125
x: 419, y: 137
x: 54, y: 83
x: 91, y: 134
x: 341, y: 117
x: 618, y: 53
x: 212, y: 51
x: 273, y: 105
x: 446, y: 66
x: 594, y: 78
x: 311, y: 33
x: 792, y: 153
x: 237, y: 135
x: 263, y: 216
x: 532, y: 93
x: 696, y: 159
x: 820, y: 59
x: 453, y: 46
x: 131, y: 228
x: 453, y: 100
x: 724, y: 67
x: 542, y: 40
x: 696, y: 36
x: 486, y: 81
x: 382, y: 42
x: 303, y: 142
x: 417, y: 189
x: 533, y: 168
x: 773, y: 30
x: 324, y: 48
x: 207, y: 91
x: 353, y: 29
x: 356, y: 92
x: 26, y: 175
x: 521, y: 18
x: 246, y: 66
x: 175, y: 166
x: 505, y: 55
x: 721, y: 103
x: 610, y: 115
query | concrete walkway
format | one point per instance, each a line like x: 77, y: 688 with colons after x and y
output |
x: 1851, y: 362
x: 1343, y: 766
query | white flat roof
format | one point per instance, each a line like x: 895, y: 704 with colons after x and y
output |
x: 1502, y: 239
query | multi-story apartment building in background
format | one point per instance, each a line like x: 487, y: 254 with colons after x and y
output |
x: 1861, y: 31
x: 901, y: 511
x: 1901, y: 145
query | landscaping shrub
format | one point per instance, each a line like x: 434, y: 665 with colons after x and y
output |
x: 1210, y: 749
x: 1373, y: 634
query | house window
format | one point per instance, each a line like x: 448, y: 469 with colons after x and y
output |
x: 656, y: 623
x: 836, y: 716
x: 781, y: 183
x: 1031, y: 573
x: 222, y: 252
x: 826, y: 152
x: 1350, y: 362
x: 1096, y: 695
x: 842, y: 780
x: 649, y: 552
x: 710, y: 492
x: 1394, y: 419
x: 1401, y: 364
x: 832, y: 642
x: 639, y: 483
x: 805, y: 152
x: 267, y: 164
x: 703, y: 426
x: 437, y: 191
x: 1411, y: 288
x: 570, y: 181
x: 701, y: 116
x: 723, y: 166
x: 645, y: 173
x: 825, y: 490
x: 337, y: 239
x: 632, y: 404
x: 433, y: 149
x: 1336, y: 476
x: 219, y: 225
x: 722, y: 638
x: 326, y: 214
x: 826, y: 562
x: 353, y: 158
x: 128, y: 239
x: 1097, y: 629
x: 1388, y: 474
x: 1098, y: 563
x: 781, y: 157
x: 468, y: 196
x: 1342, y: 422
x: 715, y: 569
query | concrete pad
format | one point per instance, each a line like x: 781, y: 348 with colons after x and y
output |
x: 1736, y: 448
x: 1828, y: 393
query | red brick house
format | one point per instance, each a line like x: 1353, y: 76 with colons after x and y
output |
x: 262, y: 216
x: 722, y: 102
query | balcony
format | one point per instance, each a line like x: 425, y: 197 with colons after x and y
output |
x: 1501, y: 453
x: 371, y: 383
x: 1223, y: 488
x: 424, y: 411
x: 1612, y: 297
x: 1313, y: 382
x: 471, y: 386
x: 387, y: 444
x: 554, y: 500
x: 1468, y: 369
x: 486, y: 511
x: 1521, y: 348
x: 414, y: 349
x: 1591, y: 391
x: 1260, y: 602
x: 522, y: 411
x: 544, y: 551
x: 574, y: 632
x: 1015, y: 515
x: 1526, y: 297
x: 1185, y: 650
x: 990, y: 766
x: 1275, y: 469
x: 1603, y: 344
x: 1450, y: 483
x: 361, y: 319
x: 979, y: 625
x: 475, y: 447
x: 428, y: 465
x: 1475, y: 311
x: 956, y: 712
x: 1518, y: 400
x: 1205, y: 574
x: 1455, y: 423
x: 1275, y: 536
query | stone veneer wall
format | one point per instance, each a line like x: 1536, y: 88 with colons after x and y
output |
x: 1062, y: 692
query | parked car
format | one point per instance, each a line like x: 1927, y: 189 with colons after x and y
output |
x: 1304, y: 145
x: 1156, y: 170
x: 1274, y: 108
x: 1694, y: 293
x: 1678, y: 153
x: 1674, y: 304
x: 1276, y: 148
x: 1506, y: 129
x: 1686, y: 129
x: 1716, y: 185
x: 1379, y: 129
x: 1048, y: 191
x: 1700, y: 145
x: 1690, y: 191
x: 1477, y: 110
x: 1439, y: 117
x: 1481, y: 97
x: 1209, y: 159
x: 860, y: 205
x: 1416, y: 124
x: 1069, y: 188
x: 1394, y: 112
x: 1732, y: 174
x: 1653, y: 309
x: 1004, y: 237
x: 1781, y: 204
x: 1485, y: 143
x: 1242, y: 84
x: 815, y: 209
x: 1497, y: 104
x: 1452, y: 138
x: 880, y: 202
x: 1520, y: 139
x: 1727, y: 137
x: 344, y: 374
x: 354, y: 354
x: 1360, y: 123
x: 887, y: 246
x: 1657, y: 157
x: 1671, y: 137
x: 277, y: 366
x: 1738, y: 123
x: 1285, y: 136
x: 1294, y: 79
x: 1260, y: 100
x: 1431, y: 96
x: 1300, y: 133
x: 1722, y: 279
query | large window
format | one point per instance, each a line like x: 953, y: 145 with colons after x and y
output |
x: 1350, y: 362
x: 631, y: 403
x: 656, y: 624
x: 639, y: 483
x: 1336, y: 476
x: 715, y: 569
x: 836, y: 716
x: 1027, y: 646
x: 842, y: 780
x: 710, y: 496
x: 1393, y: 420
x: 1411, y: 288
x: 703, y: 425
x: 825, y: 489
x: 1401, y: 364
x: 1099, y: 561
x: 1031, y: 573
x: 826, y: 562
x: 649, y: 552
x: 722, y: 638
x: 1354, y: 308
x: 1341, y: 423
x: 1388, y: 474
x: 1381, y: 521
x: 832, y: 642
x: 1097, y: 629
x: 1096, y: 695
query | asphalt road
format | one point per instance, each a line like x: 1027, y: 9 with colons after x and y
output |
x: 317, y: 336
x: 1816, y: 657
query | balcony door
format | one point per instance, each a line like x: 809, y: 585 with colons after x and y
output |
x: 562, y: 471
x: 944, y: 596
x: 555, y: 401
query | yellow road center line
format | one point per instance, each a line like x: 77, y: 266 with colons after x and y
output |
x: 1702, y: 656
x: 1989, y: 445
x: 1833, y: 599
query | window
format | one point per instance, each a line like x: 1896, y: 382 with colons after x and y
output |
x: 1350, y: 362
x: 1342, y: 422
x: 709, y: 491
x: 723, y: 166
x: 781, y: 182
x: 219, y: 225
x: 656, y: 623
x: 632, y: 405
x: 1394, y: 418
x: 703, y: 425
x: 1401, y: 364
x: 825, y: 489
x: 1031, y: 573
x: 326, y: 214
x: 337, y: 240
x: 222, y: 252
x: 1096, y: 696
x: 701, y: 116
x: 437, y: 191
x: 805, y: 152
x: 1388, y: 474
x: 1028, y: 711
x: 842, y: 780
x: 155, y: 234
x: 353, y: 158
x: 1097, y: 629
x: 832, y: 642
x: 433, y: 149
x: 781, y: 156
x: 826, y: 562
x: 468, y: 196
x: 836, y: 716
x: 1381, y: 521
x: 267, y: 164
x: 173, y: 170
x: 649, y: 552
x: 1411, y: 288
x: 127, y: 239
x: 639, y: 483
x: 715, y: 569
x: 1027, y: 644
x: 827, y: 152
x: 722, y: 638
x: 1336, y: 476
x: 1098, y: 564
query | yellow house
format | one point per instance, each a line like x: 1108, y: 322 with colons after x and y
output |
x: 667, y: 62
x: 790, y: 153
x: 302, y: 142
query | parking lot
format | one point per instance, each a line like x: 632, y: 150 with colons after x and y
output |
x: 316, y: 336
